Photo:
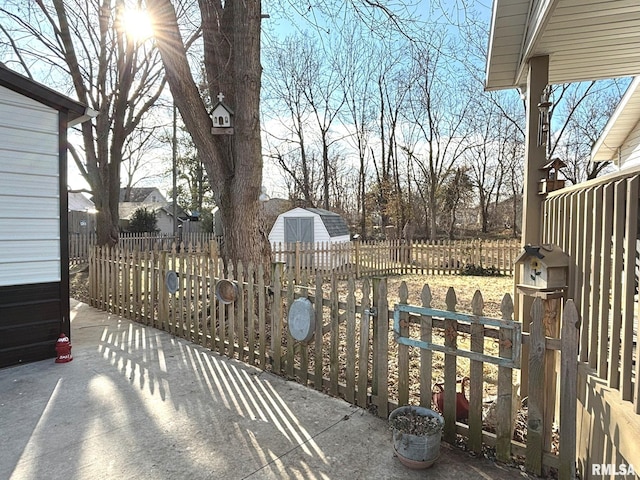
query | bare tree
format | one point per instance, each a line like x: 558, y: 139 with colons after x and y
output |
x: 231, y: 53
x: 584, y: 110
x: 290, y: 143
x: 435, y: 120
x: 86, y: 44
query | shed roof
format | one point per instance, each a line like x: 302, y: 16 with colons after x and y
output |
x: 585, y: 40
x: 76, y: 111
x: 79, y: 203
x: 334, y: 223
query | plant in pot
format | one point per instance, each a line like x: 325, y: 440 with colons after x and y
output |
x: 417, y: 432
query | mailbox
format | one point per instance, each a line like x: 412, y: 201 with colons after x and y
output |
x: 546, y: 270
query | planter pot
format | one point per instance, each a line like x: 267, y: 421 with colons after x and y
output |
x: 417, y: 450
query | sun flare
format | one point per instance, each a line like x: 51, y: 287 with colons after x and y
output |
x: 137, y: 24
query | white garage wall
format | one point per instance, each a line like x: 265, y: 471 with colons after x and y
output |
x: 29, y: 191
x: 630, y: 151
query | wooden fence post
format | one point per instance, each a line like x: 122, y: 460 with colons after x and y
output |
x: 535, y: 420
x: 357, y: 257
x: 163, y: 301
x: 290, y: 353
x: 374, y: 361
x: 476, y: 376
x: 403, y: 350
x: 426, y: 355
x: 363, y: 360
x: 262, y: 320
x: 450, y: 360
x: 276, y: 319
x: 350, y: 367
x: 317, y: 372
x: 504, y: 412
x: 381, y: 353
x: 334, y: 338
x: 570, y: 339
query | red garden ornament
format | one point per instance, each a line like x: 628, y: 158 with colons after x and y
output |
x: 63, y: 349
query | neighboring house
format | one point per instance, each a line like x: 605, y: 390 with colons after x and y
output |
x: 144, y: 195
x: 152, y: 199
x: 34, y: 255
x: 532, y: 44
x: 82, y: 214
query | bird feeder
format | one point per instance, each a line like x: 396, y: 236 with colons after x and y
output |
x: 221, y: 118
x: 545, y: 270
x: 551, y: 180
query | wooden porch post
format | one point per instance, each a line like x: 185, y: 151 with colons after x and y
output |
x: 535, y: 157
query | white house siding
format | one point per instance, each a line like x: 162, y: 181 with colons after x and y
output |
x: 630, y: 150
x: 29, y: 191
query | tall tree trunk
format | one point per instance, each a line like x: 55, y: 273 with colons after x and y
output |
x: 231, y: 35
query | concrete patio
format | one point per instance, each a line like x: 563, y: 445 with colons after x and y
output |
x: 137, y: 403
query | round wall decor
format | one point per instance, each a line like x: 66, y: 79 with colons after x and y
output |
x: 226, y: 291
x: 302, y: 320
x: 171, y: 281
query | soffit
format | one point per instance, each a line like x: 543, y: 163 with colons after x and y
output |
x: 585, y: 40
x: 619, y: 126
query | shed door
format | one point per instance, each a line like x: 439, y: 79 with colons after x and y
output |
x: 299, y: 229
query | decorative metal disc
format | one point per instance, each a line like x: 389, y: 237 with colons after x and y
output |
x: 302, y: 320
x: 171, y: 281
x: 226, y: 291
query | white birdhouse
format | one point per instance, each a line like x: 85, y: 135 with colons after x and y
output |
x: 545, y: 269
x: 221, y: 118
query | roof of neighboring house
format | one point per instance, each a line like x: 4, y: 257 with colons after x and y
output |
x: 79, y: 203
x: 625, y: 117
x: 76, y: 111
x: 138, y: 194
x: 334, y: 223
x: 585, y: 40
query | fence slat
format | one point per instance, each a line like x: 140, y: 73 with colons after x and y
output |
x: 450, y: 380
x: 276, y: 320
x: 350, y: 346
x: 504, y: 413
x: 403, y: 350
x: 535, y: 420
x: 570, y: 339
x: 381, y: 352
x: 334, y: 361
x: 363, y: 357
x: 262, y: 322
x: 318, y: 345
x: 426, y: 355
x: 290, y: 353
x: 476, y: 376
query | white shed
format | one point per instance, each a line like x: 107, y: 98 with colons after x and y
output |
x: 312, y: 226
x: 34, y: 249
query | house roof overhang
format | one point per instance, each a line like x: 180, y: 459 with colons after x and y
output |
x: 76, y: 111
x: 584, y: 39
x: 622, y: 121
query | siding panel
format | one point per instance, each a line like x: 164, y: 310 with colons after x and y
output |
x: 30, y: 243
x: 630, y: 151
